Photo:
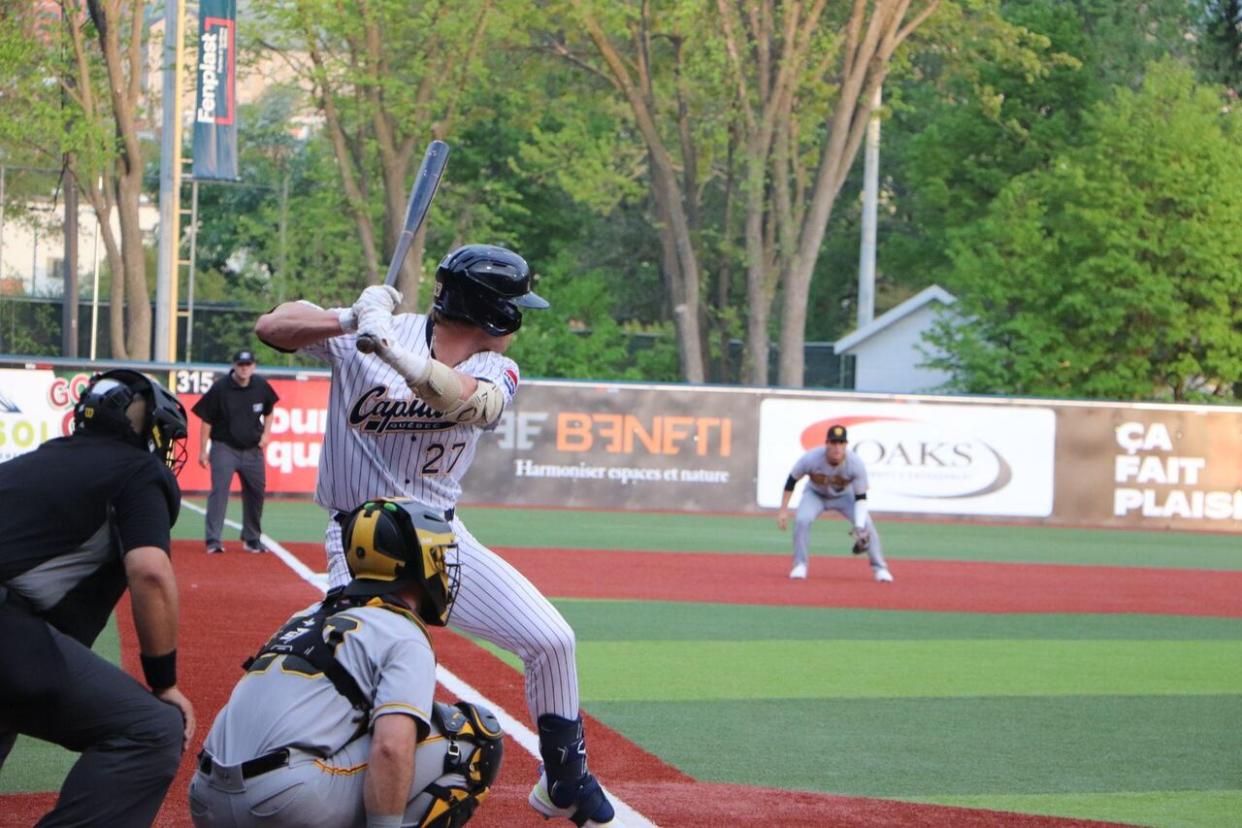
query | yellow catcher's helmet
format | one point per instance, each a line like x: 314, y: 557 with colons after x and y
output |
x: 392, y: 542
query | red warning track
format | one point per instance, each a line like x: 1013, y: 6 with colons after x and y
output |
x: 232, y: 602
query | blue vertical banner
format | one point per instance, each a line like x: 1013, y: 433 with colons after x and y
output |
x: 215, y: 106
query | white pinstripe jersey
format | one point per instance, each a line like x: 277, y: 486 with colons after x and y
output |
x: 381, y: 439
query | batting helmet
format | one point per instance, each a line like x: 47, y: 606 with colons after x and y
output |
x: 103, y: 407
x: 487, y: 286
x: 391, y: 543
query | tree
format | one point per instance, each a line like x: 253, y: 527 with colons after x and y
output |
x: 73, y: 87
x: 1117, y: 271
x: 387, y: 76
x: 766, y: 101
x: 1221, y: 48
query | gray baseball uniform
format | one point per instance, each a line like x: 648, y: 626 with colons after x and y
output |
x: 831, y: 487
x: 283, y: 703
x: 382, y: 440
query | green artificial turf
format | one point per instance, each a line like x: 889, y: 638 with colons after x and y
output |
x: 985, y: 748
x: 35, y: 765
x: 611, y: 620
x: 1168, y: 809
x: 290, y: 520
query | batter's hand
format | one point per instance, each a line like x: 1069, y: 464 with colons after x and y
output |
x: 782, y: 519
x: 376, y: 297
x: 377, y: 324
x: 178, y: 700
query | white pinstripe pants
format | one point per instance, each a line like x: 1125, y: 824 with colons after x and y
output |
x: 498, y: 604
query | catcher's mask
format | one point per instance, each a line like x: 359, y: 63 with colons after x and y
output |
x: 103, y: 407
x: 392, y: 542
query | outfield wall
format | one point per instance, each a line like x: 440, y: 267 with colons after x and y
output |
x: 728, y: 449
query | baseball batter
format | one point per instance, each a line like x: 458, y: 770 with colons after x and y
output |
x: 335, y: 723
x: 405, y: 421
x: 838, y: 481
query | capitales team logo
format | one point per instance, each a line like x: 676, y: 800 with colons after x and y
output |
x: 376, y: 413
x: 917, y: 458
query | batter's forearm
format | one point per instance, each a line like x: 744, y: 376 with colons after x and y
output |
x: 295, y: 325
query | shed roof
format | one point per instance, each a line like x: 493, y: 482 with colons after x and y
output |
x: 892, y: 316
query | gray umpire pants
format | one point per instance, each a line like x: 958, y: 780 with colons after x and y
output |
x: 61, y: 692
x: 248, y: 464
x: 812, y: 505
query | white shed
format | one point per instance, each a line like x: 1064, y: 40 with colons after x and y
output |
x: 886, y: 350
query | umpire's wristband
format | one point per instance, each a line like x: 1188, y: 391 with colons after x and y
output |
x: 160, y: 671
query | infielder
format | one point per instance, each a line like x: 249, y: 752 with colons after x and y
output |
x: 406, y: 421
x: 838, y: 481
x: 334, y: 723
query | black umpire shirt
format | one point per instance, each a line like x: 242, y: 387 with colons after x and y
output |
x: 69, y: 511
x: 235, y: 413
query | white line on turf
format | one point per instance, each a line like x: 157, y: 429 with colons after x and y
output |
x: 521, y: 734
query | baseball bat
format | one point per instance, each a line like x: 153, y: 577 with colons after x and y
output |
x: 425, y: 184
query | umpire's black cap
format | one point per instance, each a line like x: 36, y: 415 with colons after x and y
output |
x: 836, y: 434
x: 243, y: 357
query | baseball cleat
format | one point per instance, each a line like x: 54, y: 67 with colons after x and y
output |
x: 883, y: 576
x: 215, y: 549
x: 591, y: 798
x: 798, y: 573
x: 255, y: 549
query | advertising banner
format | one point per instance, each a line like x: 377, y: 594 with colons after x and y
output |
x: 710, y: 449
x: 298, y: 424
x: 215, y: 107
x: 36, y: 405
x: 1151, y: 468
x: 617, y: 446
x: 940, y: 459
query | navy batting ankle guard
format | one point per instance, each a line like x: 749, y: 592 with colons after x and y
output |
x: 562, y: 747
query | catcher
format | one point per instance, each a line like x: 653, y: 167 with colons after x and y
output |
x: 334, y: 723
x: 838, y: 482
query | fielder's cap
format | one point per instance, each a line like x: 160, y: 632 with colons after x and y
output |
x: 243, y: 357
x: 836, y: 434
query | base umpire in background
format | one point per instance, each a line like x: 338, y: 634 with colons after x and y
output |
x: 335, y: 723
x: 82, y: 518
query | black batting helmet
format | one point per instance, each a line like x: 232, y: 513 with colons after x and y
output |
x: 103, y: 404
x: 485, y: 285
x: 393, y: 542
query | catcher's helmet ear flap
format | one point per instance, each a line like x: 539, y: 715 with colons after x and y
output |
x: 393, y: 542
x: 104, y: 406
x: 485, y: 285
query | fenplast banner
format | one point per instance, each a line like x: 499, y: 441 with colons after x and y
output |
x: 921, y: 459
x: 215, y: 106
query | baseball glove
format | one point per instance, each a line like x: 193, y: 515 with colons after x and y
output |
x: 862, y: 541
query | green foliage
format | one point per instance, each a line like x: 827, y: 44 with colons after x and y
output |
x: 578, y: 337
x: 1117, y: 271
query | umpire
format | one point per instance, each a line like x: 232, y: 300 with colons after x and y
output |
x: 237, y: 418
x: 82, y: 518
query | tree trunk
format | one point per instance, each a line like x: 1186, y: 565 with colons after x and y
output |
x: 870, y: 41
x: 668, y: 193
